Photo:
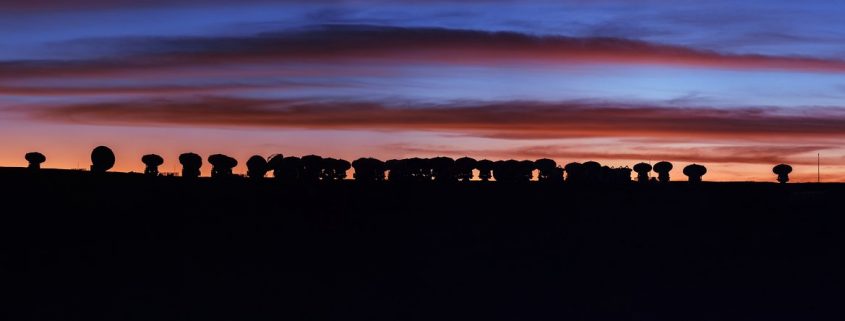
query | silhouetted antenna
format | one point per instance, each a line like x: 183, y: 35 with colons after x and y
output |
x: 818, y: 167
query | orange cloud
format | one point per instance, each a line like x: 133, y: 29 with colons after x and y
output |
x: 512, y: 120
x: 725, y: 162
x: 738, y: 154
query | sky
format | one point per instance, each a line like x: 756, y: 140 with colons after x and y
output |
x: 736, y: 86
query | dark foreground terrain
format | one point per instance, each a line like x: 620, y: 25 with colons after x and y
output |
x: 128, y: 247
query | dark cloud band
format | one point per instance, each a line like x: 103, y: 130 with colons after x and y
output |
x: 512, y: 120
x: 378, y: 45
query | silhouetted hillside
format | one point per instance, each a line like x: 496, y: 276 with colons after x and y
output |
x: 117, y: 246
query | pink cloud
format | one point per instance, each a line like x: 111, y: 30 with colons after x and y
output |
x: 512, y: 120
x: 382, y: 45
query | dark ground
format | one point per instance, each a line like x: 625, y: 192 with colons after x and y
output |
x: 127, y: 247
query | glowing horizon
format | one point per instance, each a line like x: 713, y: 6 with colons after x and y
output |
x: 736, y: 87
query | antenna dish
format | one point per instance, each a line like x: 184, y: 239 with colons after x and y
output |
x: 663, y: 168
x: 35, y: 159
x: 642, y: 170
x: 191, y: 164
x: 102, y: 159
x: 782, y: 170
x: 152, y: 161
x: 695, y: 172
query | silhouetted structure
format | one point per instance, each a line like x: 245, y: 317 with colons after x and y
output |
x: 312, y: 168
x: 221, y: 165
x: 513, y: 171
x: 416, y: 169
x: 574, y: 172
x: 411, y: 169
x: 592, y: 172
x: 243, y: 249
x: 485, y: 169
x: 395, y: 170
x: 782, y: 170
x: 526, y: 169
x: 369, y: 170
x: 35, y: 159
x: 443, y: 169
x: 275, y: 164
x: 642, y: 169
x: 334, y: 169
x: 256, y: 167
x: 152, y: 161
x: 615, y: 175
x: 290, y: 169
x: 663, y: 168
x: 695, y: 172
x: 191, y: 164
x: 102, y: 159
x: 548, y: 170
x: 464, y: 167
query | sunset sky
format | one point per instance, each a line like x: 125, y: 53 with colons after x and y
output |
x: 738, y: 86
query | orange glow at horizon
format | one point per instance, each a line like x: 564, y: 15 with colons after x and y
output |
x: 128, y: 160
x: 350, y: 91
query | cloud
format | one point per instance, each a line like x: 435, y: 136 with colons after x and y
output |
x: 111, y: 4
x: 511, y: 120
x: 739, y: 154
x: 50, y: 5
x: 362, y: 44
x: 70, y: 91
x: 163, y: 89
x: 712, y: 154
